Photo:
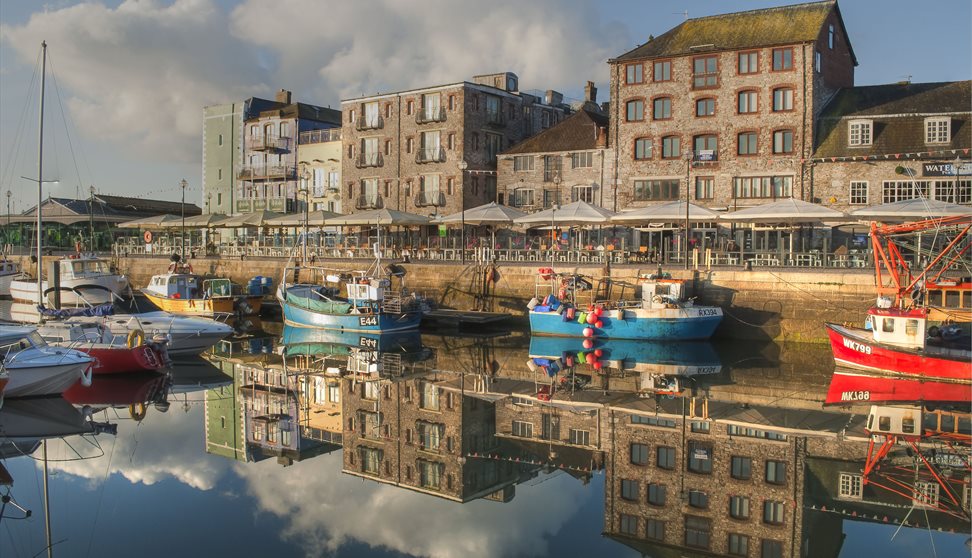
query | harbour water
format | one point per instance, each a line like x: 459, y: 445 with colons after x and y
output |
x: 462, y: 446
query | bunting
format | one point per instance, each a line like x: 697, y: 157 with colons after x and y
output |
x: 872, y: 517
x: 940, y: 153
x: 497, y: 457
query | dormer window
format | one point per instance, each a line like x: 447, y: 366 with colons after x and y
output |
x: 860, y: 133
x: 938, y: 129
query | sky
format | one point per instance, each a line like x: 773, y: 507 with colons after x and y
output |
x: 130, y: 78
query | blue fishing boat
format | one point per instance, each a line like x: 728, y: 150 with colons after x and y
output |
x: 663, y: 313
x: 681, y: 358
x: 369, y: 305
x: 308, y: 341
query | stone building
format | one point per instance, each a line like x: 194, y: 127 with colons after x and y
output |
x: 433, y: 150
x: 569, y: 162
x: 267, y: 178
x: 886, y: 143
x: 319, y: 168
x: 727, y: 106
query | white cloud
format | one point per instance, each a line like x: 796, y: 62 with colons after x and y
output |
x: 140, y: 74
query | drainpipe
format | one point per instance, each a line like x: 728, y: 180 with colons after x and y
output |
x: 615, y: 103
x: 398, y: 144
x: 803, y: 132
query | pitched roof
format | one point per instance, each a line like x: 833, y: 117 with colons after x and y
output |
x: 126, y: 205
x: 575, y: 133
x: 303, y: 111
x: 898, y: 112
x: 799, y: 23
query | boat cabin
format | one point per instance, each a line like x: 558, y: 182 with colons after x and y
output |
x: 83, y: 267
x: 894, y: 326
x: 16, y: 339
x: 894, y: 421
x: 189, y: 287
x: 366, y: 289
x: 8, y: 267
x: 661, y: 293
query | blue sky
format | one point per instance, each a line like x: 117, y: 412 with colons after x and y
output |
x: 133, y: 76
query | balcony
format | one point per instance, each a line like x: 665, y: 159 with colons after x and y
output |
x: 368, y: 201
x: 369, y: 123
x: 320, y: 136
x: 495, y: 118
x: 430, y: 199
x: 269, y: 143
x: 368, y: 160
x: 430, y: 155
x: 275, y: 172
x: 425, y: 115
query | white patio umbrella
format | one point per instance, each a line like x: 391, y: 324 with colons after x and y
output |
x: 665, y: 213
x: 788, y: 210
x: 911, y: 209
x: 577, y: 213
x: 254, y: 219
x: 491, y: 214
x: 314, y: 219
x: 205, y: 220
x: 155, y: 222
x: 379, y: 217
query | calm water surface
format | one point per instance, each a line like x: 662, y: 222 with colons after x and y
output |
x: 448, y: 446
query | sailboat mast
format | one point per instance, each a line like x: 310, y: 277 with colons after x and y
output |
x: 40, y: 182
x: 47, y: 509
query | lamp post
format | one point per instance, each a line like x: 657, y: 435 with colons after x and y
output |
x: 305, y: 191
x: 688, y: 166
x: 91, y: 190
x: 183, y: 184
x: 463, y: 165
x: 553, y: 219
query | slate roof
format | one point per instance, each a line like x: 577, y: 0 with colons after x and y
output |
x: 577, y: 132
x: 783, y: 25
x: 898, y: 112
x: 303, y: 111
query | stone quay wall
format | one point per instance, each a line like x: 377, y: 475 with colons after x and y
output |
x: 762, y: 304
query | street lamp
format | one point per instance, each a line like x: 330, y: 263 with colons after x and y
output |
x: 9, y: 194
x: 463, y: 165
x: 183, y: 184
x: 305, y: 191
x: 553, y: 213
x: 91, y: 190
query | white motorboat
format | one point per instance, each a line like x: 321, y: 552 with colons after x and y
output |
x: 35, y: 368
x: 9, y: 271
x: 85, y: 280
x: 187, y: 335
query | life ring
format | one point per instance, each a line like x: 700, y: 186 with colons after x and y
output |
x: 135, y: 338
x: 545, y: 273
x: 137, y: 411
x: 172, y: 267
x: 147, y: 237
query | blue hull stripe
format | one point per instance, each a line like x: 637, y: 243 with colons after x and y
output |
x: 362, y: 323
x: 680, y: 329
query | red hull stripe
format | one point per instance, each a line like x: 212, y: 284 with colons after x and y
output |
x: 858, y: 352
x: 848, y: 389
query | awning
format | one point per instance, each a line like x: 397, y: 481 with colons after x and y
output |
x: 489, y: 214
x: 254, y: 219
x: 314, y: 219
x: 577, y: 213
x: 155, y: 222
x: 671, y: 212
x: 379, y: 217
x: 912, y: 209
x: 788, y: 210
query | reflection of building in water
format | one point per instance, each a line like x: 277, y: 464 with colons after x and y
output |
x: 225, y: 434
x: 424, y: 432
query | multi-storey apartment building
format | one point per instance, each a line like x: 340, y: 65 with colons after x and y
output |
x: 319, y: 167
x: 886, y: 143
x: 726, y: 105
x: 433, y: 150
x: 268, y: 178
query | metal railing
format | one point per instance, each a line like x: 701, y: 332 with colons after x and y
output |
x: 430, y: 155
x: 320, y: 136
x: 368, y: 202
x: 366, y: 160
x: 430, y: 199
x: 425, y: 115
x: 372, y: 123
x: 266, y: 172
x: 262, y: 143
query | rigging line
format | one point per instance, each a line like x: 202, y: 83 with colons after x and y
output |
x: 101, y: 497
x: 67, y: 132
x: 21, y: 126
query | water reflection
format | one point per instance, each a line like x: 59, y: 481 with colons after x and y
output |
x: 664, y: 449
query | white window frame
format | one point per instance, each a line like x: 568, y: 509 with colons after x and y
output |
x: 854, y: 193
x: 850, y: 486
x: 938, y: 129
x: 860, y: 133
x: 926, y: 494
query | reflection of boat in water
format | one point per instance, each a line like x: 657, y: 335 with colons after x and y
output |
x: 849, y: 387
x: 125, y: 389
x: 196, y: 374
x: 684, y: 358
x: 306, y: 341
x: 38, y: 418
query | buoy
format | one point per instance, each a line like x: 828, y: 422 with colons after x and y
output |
x: 588, y: 343
x: 599, y: 324
x: 598, y: 311
x: 591, y: 318
x: 588, y: 332
x: 598, y: 353
x: 590, y: 358
x: 598, y: 366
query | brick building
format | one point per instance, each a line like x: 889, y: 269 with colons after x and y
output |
x: 569, y: 162
x: 886, y: 143
x: 433, y: 150
x: 268, y: 178
x: 727, y: 106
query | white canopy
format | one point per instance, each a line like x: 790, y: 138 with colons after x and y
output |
x: 254, y: 219
x: 577, y: 213
x: 490, y: 214
x: 909, y: 209
x: 205, y: 220
x: 673, y: 211
x: 788, y: 210
x: 314, y: 219
x: 379, y: 217
x: 155, y: 222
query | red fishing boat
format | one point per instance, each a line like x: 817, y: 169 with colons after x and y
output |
x: 112, y: 354
x: 848, y: 387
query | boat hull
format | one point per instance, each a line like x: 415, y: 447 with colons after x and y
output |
x: 118, y: 360
x: 848, y: 388
x: 204, y: 306
x: 5, y: 280
x: 187, y: 336
x: 26, y: 290
x: 854, y: 348
x: 36, y: 381
x: 678, y: 324
x: 361, y: 323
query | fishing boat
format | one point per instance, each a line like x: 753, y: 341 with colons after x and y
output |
x: 35, y: 368
x: 308, y: 341
x: 84, y: 279
x: 855, y: 387
x: 181, y: 291
x: 663, y: 313
x: 9, y: 270
x: 369, y: 306
x: 687, y: 358
x: 896, y: 343
x: 112, y: 353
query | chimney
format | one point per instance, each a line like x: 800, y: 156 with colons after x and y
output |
x: 601, y: 141
x: 590, y: 93
x: 283, y: 96
x: 554, y: 98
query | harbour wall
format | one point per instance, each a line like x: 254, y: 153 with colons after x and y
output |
x: 761, y: 304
